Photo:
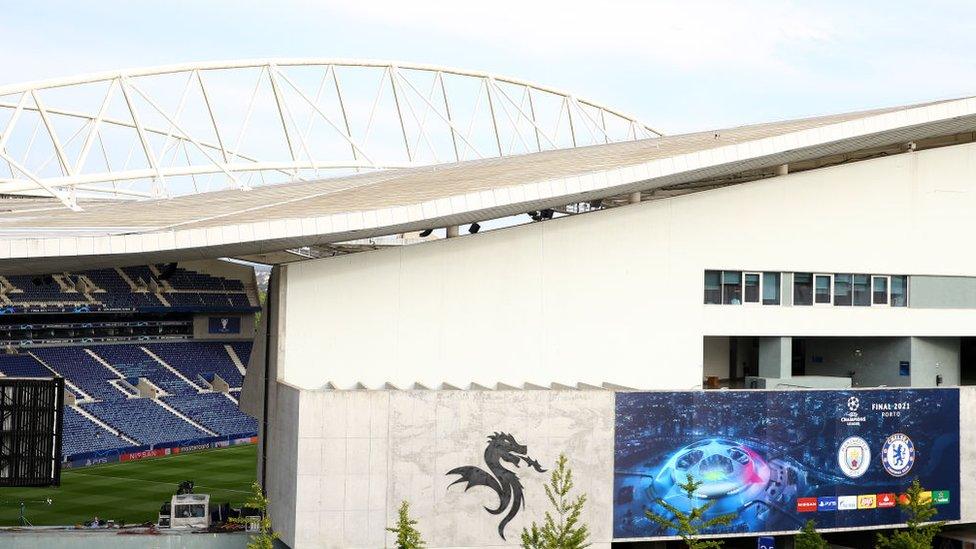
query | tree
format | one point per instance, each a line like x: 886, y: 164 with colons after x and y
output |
x: 564, y: 531
x: 689, y: 525
x: 408, y: 537
x: 264, y: 538
x: 809, y: 538
x: 920, y: 531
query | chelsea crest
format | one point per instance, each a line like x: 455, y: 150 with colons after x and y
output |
x: 898, y: 455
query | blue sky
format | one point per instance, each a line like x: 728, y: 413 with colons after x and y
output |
x: 679, y: 66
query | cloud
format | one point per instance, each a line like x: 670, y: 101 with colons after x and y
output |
x: 681, y: 34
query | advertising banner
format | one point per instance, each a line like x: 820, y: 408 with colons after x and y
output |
x: 775, y: 459
x: 224, y: 325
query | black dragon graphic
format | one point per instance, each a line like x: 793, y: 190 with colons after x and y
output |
x: 505, y: 483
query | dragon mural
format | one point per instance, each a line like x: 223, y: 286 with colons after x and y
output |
x: 504, y: 482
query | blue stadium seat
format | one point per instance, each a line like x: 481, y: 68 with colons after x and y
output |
x: 215, y: 412
x: 81, y: 435
x: 198, y: 357
x: 144, y: 420
x: 22, y: 365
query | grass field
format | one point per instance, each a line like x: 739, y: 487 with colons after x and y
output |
x: 133, y: 491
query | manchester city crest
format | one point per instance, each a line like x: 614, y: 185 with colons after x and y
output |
x: 898, y: 455
x: 853, y: 456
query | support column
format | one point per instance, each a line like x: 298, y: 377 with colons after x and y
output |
x: 635, y: 197
x: 776, y: 357
x: 782, y: 169
x: 452, y: 231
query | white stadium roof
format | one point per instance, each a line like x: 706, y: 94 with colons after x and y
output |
x: 39, y: 235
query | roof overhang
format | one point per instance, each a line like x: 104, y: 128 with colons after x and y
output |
x: 415, y: 199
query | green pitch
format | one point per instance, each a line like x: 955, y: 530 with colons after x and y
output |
x: 133, y: 491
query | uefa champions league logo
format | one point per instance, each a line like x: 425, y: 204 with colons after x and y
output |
x: 898, y: 455
x: 851, y: 417
x: 854, y: 456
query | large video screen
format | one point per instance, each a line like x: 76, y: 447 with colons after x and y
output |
x: 775, y: 459
x: 30, y: 433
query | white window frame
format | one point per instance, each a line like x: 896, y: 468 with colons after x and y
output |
x: 887, y: 302
x: 742, y: 286
x: 720, y: 289
x: 907, y: 297
x: 762, y: 288
x: 833, y: 296
x: 830, y: 290
x: 742, y: 292
x: 813, y: 289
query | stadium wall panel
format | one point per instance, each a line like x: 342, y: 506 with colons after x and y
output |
x: 342, y: 461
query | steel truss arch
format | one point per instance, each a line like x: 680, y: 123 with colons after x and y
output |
x: 190, y: 128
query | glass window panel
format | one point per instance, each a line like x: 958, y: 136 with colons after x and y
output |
x: 770, y: 289
x: 732, y: 287
x: 802, y: 288
x: 822, y: 288
x: 899, y: 291
x: 842, y: 289
x: 751, y: 289
x: 713, y: 287
x: 880, y: 290
x: 862, y: 290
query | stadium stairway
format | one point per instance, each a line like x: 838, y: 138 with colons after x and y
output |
x: 184, y: 417
x: 92, y: 418
x: 235, y: 359
x: 84, y: 432
x: 172, y: 370
x: 79, y: 394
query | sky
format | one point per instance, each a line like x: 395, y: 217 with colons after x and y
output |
x: 676, y: 65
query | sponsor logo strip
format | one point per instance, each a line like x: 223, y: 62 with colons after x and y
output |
x: 867, y: 501
x: 806, y: 505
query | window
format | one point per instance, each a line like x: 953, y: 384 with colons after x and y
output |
x: 731, y: 287
x: 879, y: 290
x: 821, y: 289
x: 713, y: 287
x: 899, y: 291
x: 842, y: 290
x: 751, y: 288
x: 802, y: 289
x: 770, y: 289
x: 862, y: 290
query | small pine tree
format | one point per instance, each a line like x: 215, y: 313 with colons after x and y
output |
x: 918, y: 535
x: 566, y: 531
x: 408, y: 537
x: 264, y: 538
x: 809, y: 538
x: 690, y: 525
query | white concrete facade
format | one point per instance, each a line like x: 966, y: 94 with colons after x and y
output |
x: 340, y: 462
x: 616, y: 296
x: 613, y: 296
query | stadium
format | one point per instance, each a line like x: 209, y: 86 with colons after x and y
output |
x: 474, y: 272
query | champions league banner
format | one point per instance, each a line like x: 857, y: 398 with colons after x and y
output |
x: 776, y: 459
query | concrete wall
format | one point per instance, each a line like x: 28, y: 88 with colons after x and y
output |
x: 360, y: 453
x: 617, y: 295
x: 934, y: 356
x: 942, y: 292
x: 875, y: 360
x: 967, y: 444
x: 110, y: 539
x: 716, y: 357
x: 342, y: 461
